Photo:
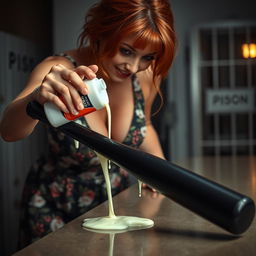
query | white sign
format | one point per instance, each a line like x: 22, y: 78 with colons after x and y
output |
x: 230, y: 100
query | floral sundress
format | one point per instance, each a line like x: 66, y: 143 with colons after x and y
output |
x: 68, y: 182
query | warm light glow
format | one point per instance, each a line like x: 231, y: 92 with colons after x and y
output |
x: 249, y: 50
x: 252, y: 50
x: 246, y: 52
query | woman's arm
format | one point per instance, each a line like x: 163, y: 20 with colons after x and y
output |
x: 151, y: 143
x: 15, y: 124
x: 54, y: 76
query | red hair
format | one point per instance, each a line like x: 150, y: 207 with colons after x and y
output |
x: 151, y: 21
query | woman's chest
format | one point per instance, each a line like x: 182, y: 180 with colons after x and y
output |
x: 122, y: 106
x: 126, y: 115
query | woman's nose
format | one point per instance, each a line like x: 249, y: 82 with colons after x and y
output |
x: 133, y: 66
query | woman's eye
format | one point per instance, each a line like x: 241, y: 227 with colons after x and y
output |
x: 149, y: 57
x: 125, y: 51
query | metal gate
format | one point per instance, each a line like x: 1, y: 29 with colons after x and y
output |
x: 223, y: 82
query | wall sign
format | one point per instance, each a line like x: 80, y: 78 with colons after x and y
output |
x: 230, y: 100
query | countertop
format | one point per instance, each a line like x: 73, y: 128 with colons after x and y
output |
x: 177, y: 231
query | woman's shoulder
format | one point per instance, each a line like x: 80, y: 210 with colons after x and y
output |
x: 69, y: 59
x: 145, y: 77
x: 79, y: 55
x: 57, y: 59
x: 147, y: 83
x: 45, y: 65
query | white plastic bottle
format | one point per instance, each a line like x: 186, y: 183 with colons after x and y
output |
x: 97, y: 98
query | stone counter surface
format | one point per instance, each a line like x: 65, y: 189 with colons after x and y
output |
x: 177, y: 231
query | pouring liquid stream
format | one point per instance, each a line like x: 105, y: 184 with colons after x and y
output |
x: 113, y: 222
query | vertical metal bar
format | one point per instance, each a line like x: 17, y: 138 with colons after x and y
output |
x: 232, y: 86
x: 215, y: 66
x: 196, y: 86
x: 249, y: 85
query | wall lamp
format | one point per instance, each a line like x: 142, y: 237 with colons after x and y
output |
x: 249, y: 51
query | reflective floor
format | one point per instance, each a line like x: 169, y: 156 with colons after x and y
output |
x: 177, y: 231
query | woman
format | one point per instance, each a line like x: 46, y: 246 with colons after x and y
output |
x: 128, y: 43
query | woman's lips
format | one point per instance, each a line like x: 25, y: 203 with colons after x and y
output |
x: 123, y: 74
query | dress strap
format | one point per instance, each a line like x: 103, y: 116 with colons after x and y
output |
x: 137, y: 91
x: 71, y: 59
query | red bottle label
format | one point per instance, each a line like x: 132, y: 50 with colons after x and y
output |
x: 82, y: 112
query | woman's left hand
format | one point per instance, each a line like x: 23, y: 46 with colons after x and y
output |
x: 145, y: 186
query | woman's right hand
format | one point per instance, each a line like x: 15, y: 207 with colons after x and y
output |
x: 62, y: 86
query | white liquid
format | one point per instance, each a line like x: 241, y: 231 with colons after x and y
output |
x: 109, y: 128
x: 140, y: 185
x: 77, y: 143
x: 113, y: 222
x: 117, y: 223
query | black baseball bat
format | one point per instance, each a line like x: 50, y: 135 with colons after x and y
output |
x: 220, y: 205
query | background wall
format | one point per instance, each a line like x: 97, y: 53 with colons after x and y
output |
x: 28, y: 19
x: 68, y: 20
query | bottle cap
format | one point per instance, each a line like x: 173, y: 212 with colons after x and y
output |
x: 97, y: 92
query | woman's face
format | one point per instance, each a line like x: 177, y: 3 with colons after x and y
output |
x: 128, y: 60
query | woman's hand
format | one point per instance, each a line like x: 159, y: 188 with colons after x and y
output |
x: 145, y: 186
x: 62, y: 86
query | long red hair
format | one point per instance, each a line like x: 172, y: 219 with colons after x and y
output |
x: 150, y: 20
